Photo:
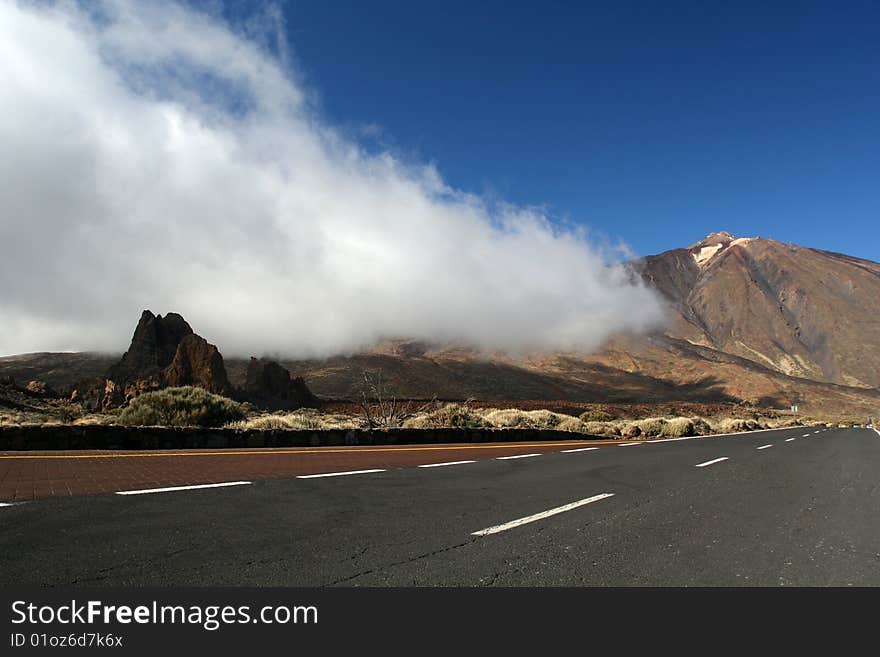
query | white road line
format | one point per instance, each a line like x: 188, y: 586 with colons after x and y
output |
x: 815, y: 432
x: 516, y: 456
x: 788, y: 440
x: 172, y: 489
x: 2, y: 504
x: 712, y: 462
x: 877, y: 431
x: 440, y: 465
x: 630, y: 444
x: 540, y: 516
x: 765, y: 446
x: 338, y: 474
x: 806, y: 435
x: 582, y: 449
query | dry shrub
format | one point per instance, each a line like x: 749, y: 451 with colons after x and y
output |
x: 652, y: 426
x: 701, y: 426
x: 602, y: 428
x: 448, y: 415
x: 571, y: 424
x: 515, y: 418
x: 298, y: 420
x: 506, y: 417
x: 596, y: 415
x: 734, y: 425
x: 631, y: 431
x: 545, y: 419
x: 678, y: 427
x: 97, y: 419
x: 185, y: 406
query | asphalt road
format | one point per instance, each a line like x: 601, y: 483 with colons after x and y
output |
x: 803, y: 511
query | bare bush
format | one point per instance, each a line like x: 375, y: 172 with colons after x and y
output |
x: 381, y: 409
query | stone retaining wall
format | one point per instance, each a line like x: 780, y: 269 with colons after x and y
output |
x: 135, y: 438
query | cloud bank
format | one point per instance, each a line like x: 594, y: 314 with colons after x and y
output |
x: 155, y: 157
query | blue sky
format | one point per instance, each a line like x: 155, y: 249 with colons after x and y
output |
x: 653, y: 122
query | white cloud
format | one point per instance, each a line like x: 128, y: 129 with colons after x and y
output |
x: 153, y: 157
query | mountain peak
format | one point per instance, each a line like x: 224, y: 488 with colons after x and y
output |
x: 712, y: 245
x: 714, y: 239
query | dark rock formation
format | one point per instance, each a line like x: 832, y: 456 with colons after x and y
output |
x: 268, y: 385
x: 164, y: 352
x: 40, y: 389
x: 153, y: 347
x: 197, y: 363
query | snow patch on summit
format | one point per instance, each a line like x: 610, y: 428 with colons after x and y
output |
x: 706, y: 253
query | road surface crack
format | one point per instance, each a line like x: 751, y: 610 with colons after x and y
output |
x: 402, y: 562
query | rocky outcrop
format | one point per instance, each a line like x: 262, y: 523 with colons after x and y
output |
x: 97, y: 394
x: 153, y: 347
x: 197, y: 363
x: 164, y: 352
x: 40, y: 389
x: 268, y: 385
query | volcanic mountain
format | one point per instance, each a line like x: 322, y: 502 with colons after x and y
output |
x: 802, y: 312
x: 751, y: 320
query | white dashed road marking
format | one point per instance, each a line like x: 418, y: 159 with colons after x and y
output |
x: 582, y: 449
x: 788, y: 440
x: 712, y: 462
x: 440, y: 465
x: 540, y: 516
x: 174, y: 489
x: 765, y: 446
x: 516, y: 456
x: 338, y: 474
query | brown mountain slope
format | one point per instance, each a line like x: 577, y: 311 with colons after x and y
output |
x: 798, y: 311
